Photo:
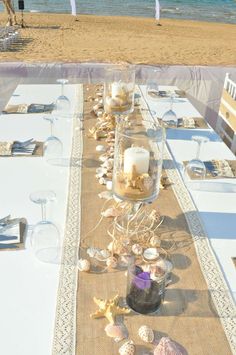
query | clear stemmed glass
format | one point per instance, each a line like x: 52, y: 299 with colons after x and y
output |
x: 170, y: 118
x: 45, y: 237
x: 196, y: 169
x: 62, y: 102
x: 53, y: 146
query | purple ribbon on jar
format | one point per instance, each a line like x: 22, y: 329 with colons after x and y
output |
x: 142, y: 280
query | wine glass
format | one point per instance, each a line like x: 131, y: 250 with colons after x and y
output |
x: 62, y: 102
x: 195, y: 168
x: 53, y: 146
x: 45, y: 237
x: 152, y: 90
x: 170, y: 118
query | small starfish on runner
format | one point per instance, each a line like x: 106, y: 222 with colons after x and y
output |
x: 109, y: 309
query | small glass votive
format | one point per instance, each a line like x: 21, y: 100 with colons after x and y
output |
x: 145, y: 286
x: 119, y: 90
x: 138, y: 160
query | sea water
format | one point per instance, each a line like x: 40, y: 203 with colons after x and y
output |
x: 204, y: 10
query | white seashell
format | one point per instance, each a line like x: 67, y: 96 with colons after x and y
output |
x: 109, y: 185
x: 115, y: 331
x: 108, y: 163
x: 103, y: 157
x: 155, y: 241
x: 99, y: 94
x: 111, y: 262
x: 97, y: 107
x: 127, y: 348
x: 103, y: 255
x: 111, y: 212
x: 101, y: 172
x: 146, y: 334
x: 99, y: 113
x: 102, y: 181
x: 150, y: 254
x: 83, y: 265
x: 137, y: 249
x: 106, y: 195
x: 100, y: 148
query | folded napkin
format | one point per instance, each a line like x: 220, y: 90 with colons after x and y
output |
x: 32, y: 108
x: 12, y: 232
x: 17, y: 148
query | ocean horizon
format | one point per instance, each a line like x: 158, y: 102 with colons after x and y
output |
x: 204, y: 10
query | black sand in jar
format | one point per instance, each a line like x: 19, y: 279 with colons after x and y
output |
x: 144, y: 295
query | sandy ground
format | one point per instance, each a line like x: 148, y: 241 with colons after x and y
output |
x: 56, y: 37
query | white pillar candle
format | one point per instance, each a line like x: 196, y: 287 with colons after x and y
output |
x: 117, y: 89
x: 136, y: 156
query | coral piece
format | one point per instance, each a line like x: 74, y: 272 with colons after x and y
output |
x: 146, y: 334
x: 127, y: 348
x: 115, y: 331
x: 83, y: 265
x: 109, y: 309
x: 167, y: 346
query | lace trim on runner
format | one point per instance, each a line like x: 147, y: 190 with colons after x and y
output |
x: 218, y: 288
x: 64, y: 340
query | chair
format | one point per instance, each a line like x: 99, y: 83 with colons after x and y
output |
x: 226, y: 121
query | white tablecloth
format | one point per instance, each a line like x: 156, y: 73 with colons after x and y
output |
x: 28, y: 286
x: 215, y: 200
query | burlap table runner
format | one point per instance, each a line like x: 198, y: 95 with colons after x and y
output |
x: 188, y: 314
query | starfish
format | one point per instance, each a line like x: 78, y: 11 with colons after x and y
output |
x: 109, y: 309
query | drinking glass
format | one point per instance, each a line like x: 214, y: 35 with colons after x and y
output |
x: 45, y: 237
x: 62, y: 102
x: 119, y: 90
x: 145, y: 286
x: 195, y: 168
x: 53, y: 146
x: 170, y: 119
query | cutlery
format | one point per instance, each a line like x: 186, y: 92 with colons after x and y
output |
x: 8, y: 246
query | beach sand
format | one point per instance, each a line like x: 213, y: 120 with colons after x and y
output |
x: 58, y: 37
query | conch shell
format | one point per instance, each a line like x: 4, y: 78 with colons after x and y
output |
x: 167, y: 346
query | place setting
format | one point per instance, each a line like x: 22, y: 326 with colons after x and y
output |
x: 28, y: 148
x: 12, y: 233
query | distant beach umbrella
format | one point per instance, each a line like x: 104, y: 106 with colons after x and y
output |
x: 73, y: 7
x: 157, y: 16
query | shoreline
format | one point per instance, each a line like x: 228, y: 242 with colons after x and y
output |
x: 51, y: 37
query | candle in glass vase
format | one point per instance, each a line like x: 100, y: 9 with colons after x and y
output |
x: 117, y: 89
x: 138, y: 157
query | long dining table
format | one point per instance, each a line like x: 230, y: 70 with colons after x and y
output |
x: 40, y: 301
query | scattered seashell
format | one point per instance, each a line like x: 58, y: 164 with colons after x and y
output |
x: 167, y: 346
x: 109, y: 184
x: 111, y: 262
x: 111, y: 212
x: 102, y: 255
x: 102, y: 181
x: 155, y: 241
x: 127, y: 348
x: 106, y: 195
x: 103, y: 157
x: 146, y: 334
x: 83, y: 265
x: 97, y: 107
x: 100, y: 148
x: 91, y: 251
x: 150, y: 254
x: 137, y: 249
x: 100, y: 172
x: 115, y: 331
x: 99, y: 94
x: 99, y: 134
x: 109, y: 176
x: 108, y: 164
x: 99, y: 113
